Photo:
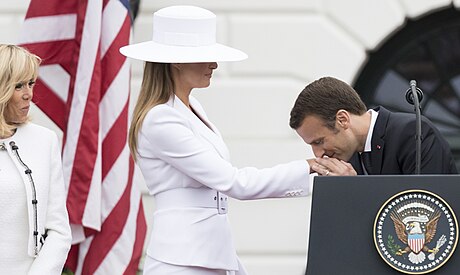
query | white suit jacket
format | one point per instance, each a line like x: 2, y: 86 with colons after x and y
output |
x: 177, y: 150
x: 38, y: 148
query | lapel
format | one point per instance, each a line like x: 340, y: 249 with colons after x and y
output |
x: 356, y: 163
x: 378, y: 141
x: 211, y: 135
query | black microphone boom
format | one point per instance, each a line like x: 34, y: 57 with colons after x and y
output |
x: 414, y: 95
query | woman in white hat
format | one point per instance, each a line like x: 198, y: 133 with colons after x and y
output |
x: 182, y: 155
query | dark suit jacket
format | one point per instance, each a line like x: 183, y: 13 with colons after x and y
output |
x: 393, y: 147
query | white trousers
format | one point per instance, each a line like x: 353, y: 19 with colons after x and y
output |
x: 154, y: 267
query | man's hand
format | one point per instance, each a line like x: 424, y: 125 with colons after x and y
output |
x: 326, y: 166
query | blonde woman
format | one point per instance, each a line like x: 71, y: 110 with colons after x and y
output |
x: 35, y: 233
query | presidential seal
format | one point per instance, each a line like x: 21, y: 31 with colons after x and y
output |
x: 415, y: 232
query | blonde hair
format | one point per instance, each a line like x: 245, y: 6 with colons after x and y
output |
x: 16, y: 65
x: 157, y: 87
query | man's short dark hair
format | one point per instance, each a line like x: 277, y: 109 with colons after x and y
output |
x: 323, y: 98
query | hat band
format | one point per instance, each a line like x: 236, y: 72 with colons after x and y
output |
x: 184, y: 39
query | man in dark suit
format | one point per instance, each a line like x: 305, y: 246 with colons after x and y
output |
x: 331, y: 117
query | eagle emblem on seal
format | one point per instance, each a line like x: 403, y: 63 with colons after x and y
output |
x: 416, y: 231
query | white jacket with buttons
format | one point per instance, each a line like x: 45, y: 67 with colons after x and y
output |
x: 38, y: 147
x: 177, y: 150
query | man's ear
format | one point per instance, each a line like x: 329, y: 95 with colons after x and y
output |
x: 342, y: 118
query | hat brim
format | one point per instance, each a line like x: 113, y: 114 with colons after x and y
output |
x: 160, y: 53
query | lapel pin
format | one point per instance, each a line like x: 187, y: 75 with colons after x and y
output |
x: 379, y: 147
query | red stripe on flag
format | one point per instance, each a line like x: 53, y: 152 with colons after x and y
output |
x: 58, y: 52
x: 113, y: 60
x: 50, y: 103
x: 72, y: 257
x: 39, y: 8
x: 115, y: 141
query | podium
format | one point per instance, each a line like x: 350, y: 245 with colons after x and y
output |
x: 359, y: 225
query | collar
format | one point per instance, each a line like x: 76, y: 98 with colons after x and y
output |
x: 368, y: 144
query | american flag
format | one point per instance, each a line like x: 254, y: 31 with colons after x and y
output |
x: 83, y: 86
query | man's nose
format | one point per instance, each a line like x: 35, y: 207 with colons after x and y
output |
x: 318, y: 151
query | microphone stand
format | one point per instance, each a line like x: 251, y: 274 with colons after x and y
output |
x: 414, y: 95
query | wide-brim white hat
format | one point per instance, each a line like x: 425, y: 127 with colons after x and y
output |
x: 183, y: 34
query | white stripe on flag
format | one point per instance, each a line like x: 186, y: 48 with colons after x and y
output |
x: 92, y: 215
x: 63, y: 27
x: 111, y: 193
x: 56, y: 78
x: 82, y: 251
x: 113, y: 16
x: 114, y: 100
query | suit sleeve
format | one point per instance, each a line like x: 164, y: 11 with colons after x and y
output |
x: 436, y: 157
x: 171, y: 139
x: 53, y: 254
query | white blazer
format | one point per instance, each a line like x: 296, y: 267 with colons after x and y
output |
x: 177, y: 150
x: 38, y: 147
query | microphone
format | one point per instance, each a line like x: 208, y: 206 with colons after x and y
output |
x: 414, y: 95
x: 410, y: 93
